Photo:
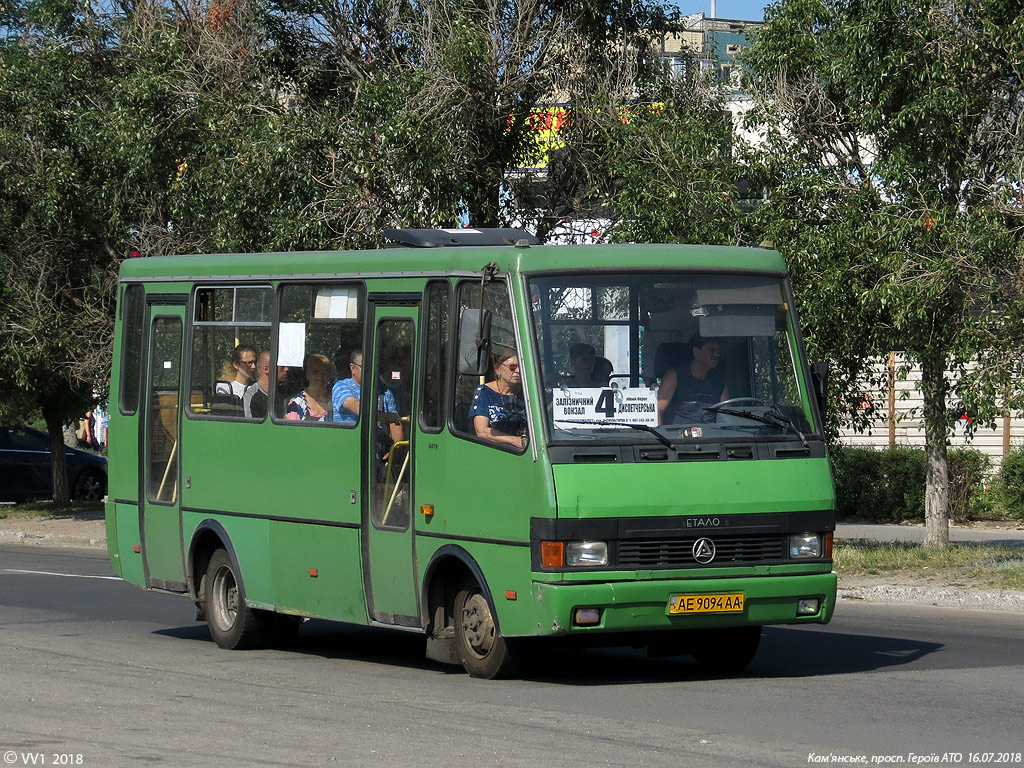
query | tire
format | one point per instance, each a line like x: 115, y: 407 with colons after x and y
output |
x: 91, y: 485
x: 482, y: 649
x: 726, y: 651
x: 233, y: 624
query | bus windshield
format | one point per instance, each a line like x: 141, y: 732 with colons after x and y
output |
x: 669, y: 357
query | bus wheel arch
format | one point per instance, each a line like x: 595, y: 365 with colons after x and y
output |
x: 208, y: 537
x: 462, y: 624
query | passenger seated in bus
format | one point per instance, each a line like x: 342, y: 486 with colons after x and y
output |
x: 581, y: 360
x: 346, y: 392
x: 254, y: 401
x: 313, y: 403
x: 601, y: 373
x: 687, y: 389
x: 238, y: 372
x: 498, y: 411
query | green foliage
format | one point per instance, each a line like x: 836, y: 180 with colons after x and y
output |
x: 888, y: 486
x: 891, y: 165
x: 968, y: 478
x: 1010, y: 487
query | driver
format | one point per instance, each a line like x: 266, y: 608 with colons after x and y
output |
x: 688, y: 388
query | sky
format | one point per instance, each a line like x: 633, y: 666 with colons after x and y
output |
x: 744, y: 10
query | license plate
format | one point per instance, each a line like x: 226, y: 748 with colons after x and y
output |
x: 731, y: 602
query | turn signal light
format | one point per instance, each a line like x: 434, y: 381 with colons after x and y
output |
x: 828, y: 544
x: 552, y: 554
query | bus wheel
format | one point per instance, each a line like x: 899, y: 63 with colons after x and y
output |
x: 482, y: 649
x: 233, y: 624
x: 726, y: 651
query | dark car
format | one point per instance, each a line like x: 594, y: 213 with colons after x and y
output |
x: 25, y: 468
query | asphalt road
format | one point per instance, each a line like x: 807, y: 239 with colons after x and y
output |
x: 93, y: 667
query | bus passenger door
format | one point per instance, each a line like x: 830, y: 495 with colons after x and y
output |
x: 389, y: 568
x: 159, y: 427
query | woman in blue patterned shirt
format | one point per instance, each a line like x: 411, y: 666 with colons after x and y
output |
x: 498, y: 412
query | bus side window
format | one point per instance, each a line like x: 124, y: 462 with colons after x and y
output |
x: 436, y: 358
x: 131, y: 348
x: 320, y: 328
x: 230, y: 334
x: 503, y: 351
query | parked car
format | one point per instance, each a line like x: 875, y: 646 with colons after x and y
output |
x: 25, y: 468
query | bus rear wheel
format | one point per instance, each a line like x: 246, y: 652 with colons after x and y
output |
x: 233, y: 624
x: 726, y: 651
x: 483, y: 650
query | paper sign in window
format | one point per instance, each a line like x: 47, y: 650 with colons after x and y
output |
x: 337, y: 302
x: 291, y: 345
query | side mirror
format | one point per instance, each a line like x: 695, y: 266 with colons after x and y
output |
x: 819, y: 378
x: 474, y: 342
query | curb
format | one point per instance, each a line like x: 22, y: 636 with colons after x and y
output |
x: 53, y: 540
x: 945, y: 597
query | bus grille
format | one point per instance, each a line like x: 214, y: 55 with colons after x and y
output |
x: 678, y: 553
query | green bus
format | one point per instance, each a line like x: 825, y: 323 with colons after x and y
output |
x: 595, y: 445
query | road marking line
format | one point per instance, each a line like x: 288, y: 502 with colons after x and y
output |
x: 65, y: 575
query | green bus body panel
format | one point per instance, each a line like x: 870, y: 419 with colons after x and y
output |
x: 693, y: 488
x: 250, y: 541
x: 302, y: 473
x: 497, y: 494
x: 317, y: 571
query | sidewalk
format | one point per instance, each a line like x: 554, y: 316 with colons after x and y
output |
x: 879, y: 589
x: 995, y: 537
x: 59, y: 532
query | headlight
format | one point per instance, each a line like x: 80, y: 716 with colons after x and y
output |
x: 804, y: 546
x: 586, y: 553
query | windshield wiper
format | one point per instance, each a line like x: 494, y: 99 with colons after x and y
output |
x: 641, y: 427
x: 768, y: 417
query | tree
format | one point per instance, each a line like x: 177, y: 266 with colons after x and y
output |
x: 893, y: 154
x: 85, y: 165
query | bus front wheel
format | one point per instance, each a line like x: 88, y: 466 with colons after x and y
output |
x: 483, y: 650
x: 233, y: 624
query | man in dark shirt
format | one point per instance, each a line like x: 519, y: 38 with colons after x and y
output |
x: 688, y: 388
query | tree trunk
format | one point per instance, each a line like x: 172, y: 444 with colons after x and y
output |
x: 58, y: 461
x: 936, y: 501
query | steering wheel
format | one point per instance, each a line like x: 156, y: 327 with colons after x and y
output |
x: 737, y: 401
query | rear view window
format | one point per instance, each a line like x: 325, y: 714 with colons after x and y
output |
x: 133, y: 308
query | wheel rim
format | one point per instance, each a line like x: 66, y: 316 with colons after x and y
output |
x: 90, y: 487
x: 478, y: 625
x: 225, y: 599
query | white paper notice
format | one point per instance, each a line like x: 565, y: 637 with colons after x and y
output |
x: 291, y: 345
x: 572, y: 406
x: 336, y: 302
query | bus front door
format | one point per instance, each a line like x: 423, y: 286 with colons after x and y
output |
x: 159, y: 494
x: 389, y: 564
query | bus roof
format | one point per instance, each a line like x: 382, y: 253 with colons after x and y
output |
x: 457, y: 260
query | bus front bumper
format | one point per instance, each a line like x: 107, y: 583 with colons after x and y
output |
x: 644, y: 606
